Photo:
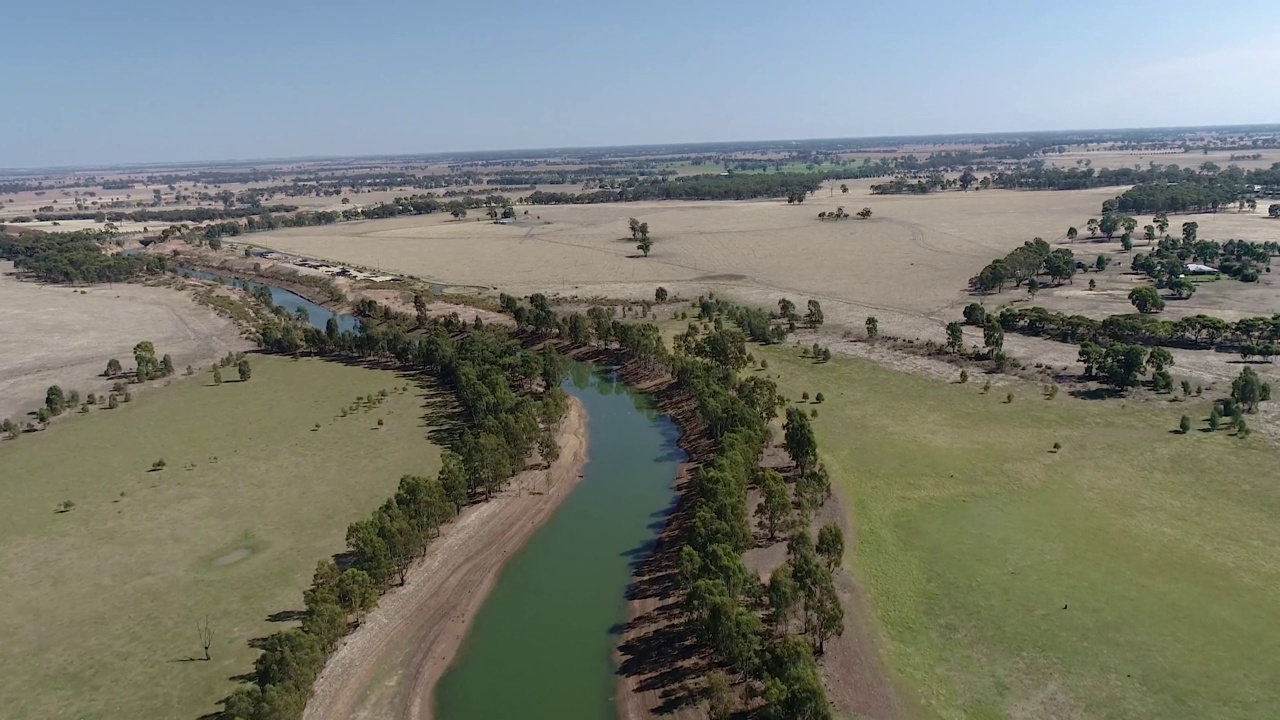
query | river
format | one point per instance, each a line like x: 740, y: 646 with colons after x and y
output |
x: 317, y: 315
x: 542, y: 644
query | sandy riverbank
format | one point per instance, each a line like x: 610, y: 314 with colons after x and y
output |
x: 390, y: 665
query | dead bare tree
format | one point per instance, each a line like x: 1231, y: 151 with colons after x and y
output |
x: 206, y: 635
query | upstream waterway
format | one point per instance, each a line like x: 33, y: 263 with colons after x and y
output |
x: 542, y: 644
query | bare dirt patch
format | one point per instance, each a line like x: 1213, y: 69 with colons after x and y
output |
x: 390, y: 665
x: 232, y: 557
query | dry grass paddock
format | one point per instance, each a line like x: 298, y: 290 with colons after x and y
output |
x: 60, y: 335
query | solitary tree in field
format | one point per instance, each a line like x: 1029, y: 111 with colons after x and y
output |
x: 844, y: 189
x: 955, y: 336
x: 217, y: 375
x: 243, y: 369
x: 660, y: 295
x: 873, y: 327
x: 1248, y: 389
x: 144, y: 358
x: 992, y: 335
x: 814, y: 318
x: 1072, y: 233
x: 1182, y: 287
x: 1161, y: 221
x: 54, y: 400
x: 206, y: 636
x: 113, y: 368
x: 1189, y: 230
x: 1092, y: 226
x: 641, y: 233
x: 1146, y: 299
x: 787, y: 310
x: 1149, y: 233
x: 864, y: 213
x: 1273, y: 211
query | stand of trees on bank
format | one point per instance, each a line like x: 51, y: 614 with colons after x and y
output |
x: 511, y: 402
x: 75, y: 257
x: 765, y: 634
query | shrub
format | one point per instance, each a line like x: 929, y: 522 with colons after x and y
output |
x: 1215, y: 419
x: 112, y: 402
x: 818, y: 398
x: 1242, y: 429
x: 964, y: 376
x: 1057, y: 446
x: 1184, y: 424
x: 813, y: 412
x: 1008, y: 398
x: 764, y: 364
x: 380, y: 423
x: 804, y: 396
x: 1052, y: 393
x: 158, y: 465
x: 986, y: 386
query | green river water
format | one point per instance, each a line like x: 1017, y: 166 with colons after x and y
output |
x: 541, y: 646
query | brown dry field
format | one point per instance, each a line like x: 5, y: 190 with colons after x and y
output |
x: 908, y: 265
x: 54, y: 335
x: 1104, y: 158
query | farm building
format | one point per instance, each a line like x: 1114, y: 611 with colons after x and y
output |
x: 1198, y: 269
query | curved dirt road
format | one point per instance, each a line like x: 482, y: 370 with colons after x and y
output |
x: 388, y: 667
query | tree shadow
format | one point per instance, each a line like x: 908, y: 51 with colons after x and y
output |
x: 287, y: 616
x: 1097, y: 393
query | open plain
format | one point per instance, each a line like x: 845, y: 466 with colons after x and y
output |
x: 59, y: 335
x: 260, y: 481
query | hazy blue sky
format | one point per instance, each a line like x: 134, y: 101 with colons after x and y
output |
x: 140, y: 81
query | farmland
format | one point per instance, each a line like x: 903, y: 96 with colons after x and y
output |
x: 57, y: 335
x: 259, y: 483
x: 1132, y: 573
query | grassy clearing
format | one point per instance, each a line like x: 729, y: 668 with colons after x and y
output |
x: 1133, y: 573
x: 101, y: 602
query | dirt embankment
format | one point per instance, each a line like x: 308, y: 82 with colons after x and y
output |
x: 660, y: 665
x: 390, y: 665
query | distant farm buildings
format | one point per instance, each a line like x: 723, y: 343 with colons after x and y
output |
x: 1198, y: 269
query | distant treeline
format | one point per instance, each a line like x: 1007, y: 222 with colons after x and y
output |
x: 74, y: 257
x: 693, y: 187
x: 197, y: 214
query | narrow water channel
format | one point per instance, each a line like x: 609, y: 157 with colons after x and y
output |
x: 316, y: 315
x: 542, y: 644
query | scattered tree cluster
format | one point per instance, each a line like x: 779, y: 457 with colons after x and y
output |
x: 75, y: 257
x: 1025, y: 264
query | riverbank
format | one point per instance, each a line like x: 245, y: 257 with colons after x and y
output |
x: 390, y: 665
x: 660, y: 665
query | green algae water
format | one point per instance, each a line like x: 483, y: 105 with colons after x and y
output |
x: 542, y: 644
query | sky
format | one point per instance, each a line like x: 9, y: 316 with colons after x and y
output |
x: 140, y: 81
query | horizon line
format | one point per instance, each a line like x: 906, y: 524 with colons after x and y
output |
x: 437, y: 155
